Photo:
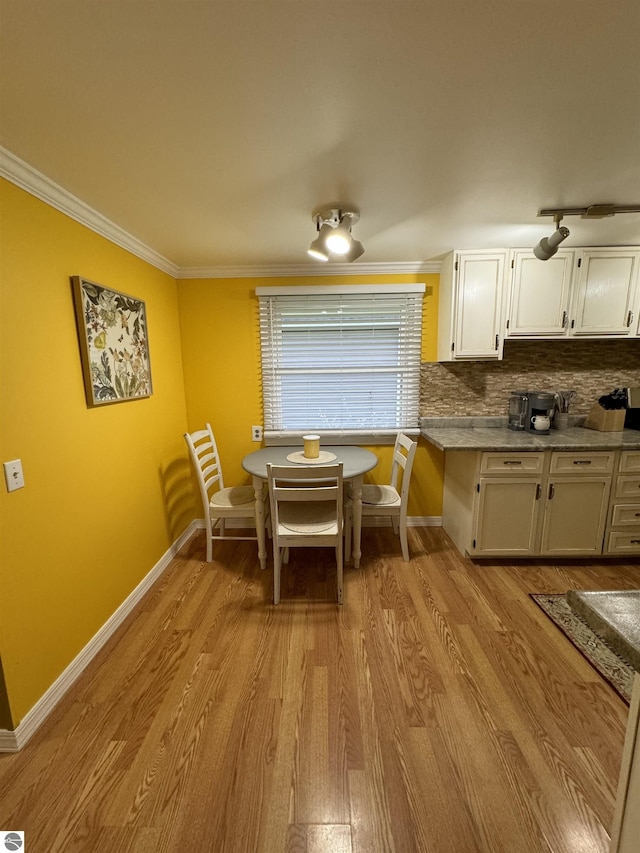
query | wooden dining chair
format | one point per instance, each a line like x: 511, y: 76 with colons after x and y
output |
x: 306, y: 511
x: 218, y: 502
x: 388, y: 501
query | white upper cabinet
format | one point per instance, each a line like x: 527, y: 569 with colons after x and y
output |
x: 540, y: 294
x: 606, y: 293
x: 591, y: 293
x: 471, y: 300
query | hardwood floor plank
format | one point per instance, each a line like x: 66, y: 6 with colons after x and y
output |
x: 437, y: 711
x: 334, y: 838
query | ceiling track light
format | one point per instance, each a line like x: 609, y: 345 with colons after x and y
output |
x: 548, y: 246
x: 334, y: 240
x: 592, y: 211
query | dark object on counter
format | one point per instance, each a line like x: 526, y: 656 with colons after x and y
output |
x: 632, y: 417
x: 616, y: 400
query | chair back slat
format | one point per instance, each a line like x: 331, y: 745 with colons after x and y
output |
x: 204, y: 455
x: 403, y: 455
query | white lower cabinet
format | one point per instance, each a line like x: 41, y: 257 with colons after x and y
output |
x: 527, y: 504
x: 575, y: 515
x: 507, y: 516
x: 623, y: 526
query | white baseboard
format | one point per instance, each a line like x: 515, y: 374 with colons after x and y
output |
x: 8, y: 741
x: 12, y: 741
x: 412, y: 521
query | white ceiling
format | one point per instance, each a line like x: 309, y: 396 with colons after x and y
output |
x: 209, y: 130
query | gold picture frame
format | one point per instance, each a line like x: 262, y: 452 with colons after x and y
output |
x: 114, y: 343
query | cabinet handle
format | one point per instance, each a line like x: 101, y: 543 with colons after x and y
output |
x: 582, y: 461
x: 629, y: 318
x: 552, y: 489
x: 515, y: 462
x: 538, y: 491
x: 634, y: 541
x: 565, y: 319
x: 497, y: 341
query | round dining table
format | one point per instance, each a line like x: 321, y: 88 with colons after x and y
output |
x: 356, y: 461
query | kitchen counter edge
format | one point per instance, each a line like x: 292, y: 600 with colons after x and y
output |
x: 493, y: 434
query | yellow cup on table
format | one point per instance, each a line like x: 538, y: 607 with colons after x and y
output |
x: 311, y: 446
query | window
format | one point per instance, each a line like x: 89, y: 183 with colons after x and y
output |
x: 340, y: 359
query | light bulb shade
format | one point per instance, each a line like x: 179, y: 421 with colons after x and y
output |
x: 548, y: 246
x: 339, y: 240
x: 318, y: 248
x: 334, y: 241
x: 355, y: 251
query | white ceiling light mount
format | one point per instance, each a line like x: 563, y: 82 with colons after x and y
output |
x: 548, y: 246
x: 334, y: 240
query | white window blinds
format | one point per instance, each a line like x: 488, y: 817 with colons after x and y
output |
x: 340, y: 358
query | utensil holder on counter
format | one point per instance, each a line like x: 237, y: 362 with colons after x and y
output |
x: 560, y: 420
x: 605, y: 420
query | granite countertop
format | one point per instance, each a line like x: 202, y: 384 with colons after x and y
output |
x: 492, y: 433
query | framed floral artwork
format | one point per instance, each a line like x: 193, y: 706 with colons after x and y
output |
x: 114, y: 343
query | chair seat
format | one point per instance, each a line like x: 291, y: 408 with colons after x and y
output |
x: 232, y: 496
x: 379, y: 495
x: 304, y: 518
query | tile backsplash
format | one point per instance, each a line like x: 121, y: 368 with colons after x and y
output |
x: 591, y: 368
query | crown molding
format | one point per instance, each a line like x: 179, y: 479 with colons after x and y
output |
x: 312, y: 271
x: 23, y: 175
x: 27, y: 178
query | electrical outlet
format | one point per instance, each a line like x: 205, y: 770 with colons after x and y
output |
x: 256, y: 433
x: 13, y: 475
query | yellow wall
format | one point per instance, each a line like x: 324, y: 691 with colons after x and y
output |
x: 221, y: 355
x: 107, y: 489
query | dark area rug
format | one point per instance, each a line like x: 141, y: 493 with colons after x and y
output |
x: 611, y: 667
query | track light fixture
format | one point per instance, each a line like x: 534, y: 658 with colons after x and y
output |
x: 548, y: 246
x: 334, y: 238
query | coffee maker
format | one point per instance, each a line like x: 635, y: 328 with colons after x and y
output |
x: 539, y: 412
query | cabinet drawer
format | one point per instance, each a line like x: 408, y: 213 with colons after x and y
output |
x: 625, y: 515
x: 627, y: 486
x: 629, y: 461
x: 623, y: 543
x: 582, y: 463
x: 512, y: 463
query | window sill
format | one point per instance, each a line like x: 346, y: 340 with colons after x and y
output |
x: 378, y: 437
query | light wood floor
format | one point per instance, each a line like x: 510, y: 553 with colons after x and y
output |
x: 437, y: 710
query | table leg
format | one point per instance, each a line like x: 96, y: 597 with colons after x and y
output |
x: 356, y: 497
x: 258, y: 488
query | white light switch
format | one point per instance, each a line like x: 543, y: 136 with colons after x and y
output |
x: 13, y: 475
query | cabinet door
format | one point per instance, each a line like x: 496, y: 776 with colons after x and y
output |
x: 575, y: 515
x: 605, y: 293
x: 540, y: 295
x: 507, y: 516
x: 479, y: 304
